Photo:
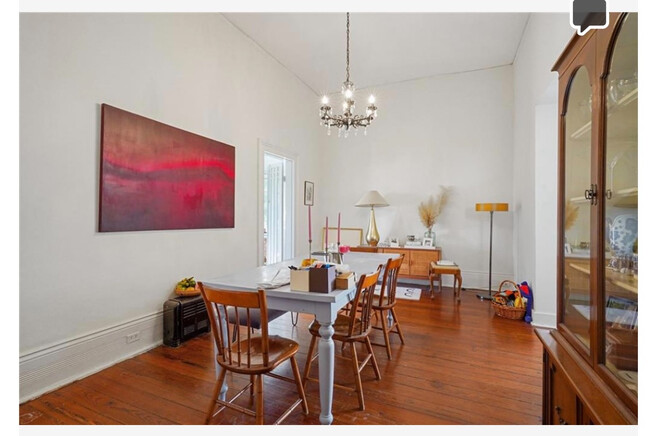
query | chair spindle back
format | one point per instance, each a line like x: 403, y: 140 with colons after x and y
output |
x: 236, y: 351
x: 389, y: 282
x: 361, y: 308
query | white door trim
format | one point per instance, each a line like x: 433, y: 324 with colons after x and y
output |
x: 265, y: 147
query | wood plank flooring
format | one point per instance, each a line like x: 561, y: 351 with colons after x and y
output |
x: 460, y: 365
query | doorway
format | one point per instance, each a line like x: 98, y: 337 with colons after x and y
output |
x: 278, y: 204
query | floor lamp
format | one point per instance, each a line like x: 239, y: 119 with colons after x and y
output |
x: 490, y: 207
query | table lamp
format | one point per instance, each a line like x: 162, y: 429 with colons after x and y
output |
x: 372, y: 199
x: 490, y: 207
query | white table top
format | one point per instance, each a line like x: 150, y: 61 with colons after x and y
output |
x: 247, y: 280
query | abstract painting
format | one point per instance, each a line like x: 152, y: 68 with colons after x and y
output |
x: 158, y: 177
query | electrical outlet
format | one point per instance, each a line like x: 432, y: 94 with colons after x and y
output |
x: 135, y: 336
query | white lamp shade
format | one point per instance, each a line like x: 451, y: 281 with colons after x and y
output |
x: 372, y: 199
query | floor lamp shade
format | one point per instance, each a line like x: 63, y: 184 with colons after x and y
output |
x: 490, y: 207
x: 372, y: 199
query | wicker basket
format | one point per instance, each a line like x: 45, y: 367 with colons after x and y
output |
x: 509, y: 312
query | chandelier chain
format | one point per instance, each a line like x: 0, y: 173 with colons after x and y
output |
x: 347, y: 59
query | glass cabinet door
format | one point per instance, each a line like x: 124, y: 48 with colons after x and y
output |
x: 577, y: 227
x: 621, y: 207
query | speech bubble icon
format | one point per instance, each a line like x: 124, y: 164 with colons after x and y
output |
x: 589, y: 14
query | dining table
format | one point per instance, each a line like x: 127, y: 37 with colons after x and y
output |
x: 275, y: 278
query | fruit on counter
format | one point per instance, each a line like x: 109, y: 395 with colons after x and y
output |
x: 187, y: 283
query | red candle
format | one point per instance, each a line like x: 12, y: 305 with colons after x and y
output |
x: 326, y: 234
x: 338, y: 233
x: 309, y: 215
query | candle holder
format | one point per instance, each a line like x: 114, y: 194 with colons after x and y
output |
x: 309, y: 249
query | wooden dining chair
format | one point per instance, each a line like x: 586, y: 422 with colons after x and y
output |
x: 350, y: 329
x: 250, y: 354
x: 384, y: 303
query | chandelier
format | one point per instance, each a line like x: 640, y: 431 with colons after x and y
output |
x: 347, y: 120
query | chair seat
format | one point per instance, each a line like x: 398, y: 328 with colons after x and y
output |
x: 255, y: 316
x: 377, y: 306
x: 280, y: 349
x: 341, y: 328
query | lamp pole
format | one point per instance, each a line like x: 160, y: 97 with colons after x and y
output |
x: 490, y: 207
x: 489, y: 297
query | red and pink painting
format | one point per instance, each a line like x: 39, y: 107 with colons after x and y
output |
x: 158, y: 177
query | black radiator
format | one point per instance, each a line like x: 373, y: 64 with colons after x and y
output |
x: 183, y: 319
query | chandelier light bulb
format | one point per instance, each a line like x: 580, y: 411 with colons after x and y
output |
x: 325, y: 100
x: 348, y: 93
x: 371, y: 99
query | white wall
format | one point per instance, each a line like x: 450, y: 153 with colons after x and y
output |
x: 197, y: 72
x: 453, y: 130
x: 545, y: 255
x: 535, y: 231
x: 193, y: 71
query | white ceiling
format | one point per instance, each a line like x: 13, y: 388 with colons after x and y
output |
x: 384, y: 47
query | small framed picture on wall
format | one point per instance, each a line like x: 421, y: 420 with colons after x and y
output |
x: 309, y: 193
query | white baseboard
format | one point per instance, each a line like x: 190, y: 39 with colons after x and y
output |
x: 52, y: 367
x: 544, y: 319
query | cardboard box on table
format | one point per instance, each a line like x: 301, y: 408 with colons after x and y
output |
x: 313, y: 280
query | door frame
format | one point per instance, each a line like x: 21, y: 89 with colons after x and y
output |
x: 264, y: 146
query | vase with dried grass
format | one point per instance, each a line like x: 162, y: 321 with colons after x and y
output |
x: 570, y: 216
x: 431, y: 209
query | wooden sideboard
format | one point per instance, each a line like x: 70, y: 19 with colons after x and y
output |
x: 416, y: 260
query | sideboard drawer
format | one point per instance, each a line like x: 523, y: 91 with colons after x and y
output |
x: 420, y: 261
x: 404, y: 269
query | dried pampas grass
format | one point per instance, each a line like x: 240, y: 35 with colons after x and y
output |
x: 570, y: 215
x: 432, y: 208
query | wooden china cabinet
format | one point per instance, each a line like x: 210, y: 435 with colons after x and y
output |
x: 590, y: 360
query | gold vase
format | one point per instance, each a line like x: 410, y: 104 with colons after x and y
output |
x: 372, y: 235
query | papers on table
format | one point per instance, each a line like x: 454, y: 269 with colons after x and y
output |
x: 273, y: 285
x: 281, y: 278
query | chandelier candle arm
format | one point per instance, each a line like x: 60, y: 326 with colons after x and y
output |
x: 347, y: 120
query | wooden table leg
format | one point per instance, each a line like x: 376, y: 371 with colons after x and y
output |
x: 460, y: 286
x: 431, y: 275
x: 455, y: 280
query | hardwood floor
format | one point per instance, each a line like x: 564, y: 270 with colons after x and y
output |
x: 460, y: 365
